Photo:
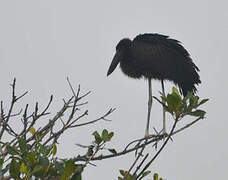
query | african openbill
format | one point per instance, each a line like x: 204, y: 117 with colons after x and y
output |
x: 155, y: 56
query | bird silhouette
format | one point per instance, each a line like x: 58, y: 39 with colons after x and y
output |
x: 156, y: 56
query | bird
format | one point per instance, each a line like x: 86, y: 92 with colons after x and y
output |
x: 159, y: 57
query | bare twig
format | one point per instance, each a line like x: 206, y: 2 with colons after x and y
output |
x: 96, y: 120
x: 5, y: 119
x: 143, y: 160
x: 159, y: 151
x: 137, y: 158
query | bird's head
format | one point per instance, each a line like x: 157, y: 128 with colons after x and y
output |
x: 121, y: 49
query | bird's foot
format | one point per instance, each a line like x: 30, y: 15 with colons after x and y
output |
x: 147, y: 135
x: 161, y: 133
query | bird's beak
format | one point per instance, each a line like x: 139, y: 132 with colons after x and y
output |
x: 117, y: 58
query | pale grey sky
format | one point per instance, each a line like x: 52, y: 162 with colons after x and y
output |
x: 43, y: 42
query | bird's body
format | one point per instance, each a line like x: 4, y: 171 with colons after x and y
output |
x: 156, y: 56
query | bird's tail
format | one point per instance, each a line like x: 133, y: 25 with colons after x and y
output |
x: 189, y: 85
x: 186, y: 87
x: 190, y: 81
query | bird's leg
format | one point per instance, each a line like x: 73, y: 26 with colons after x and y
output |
x: 149, y: 108
x: 164, y: 117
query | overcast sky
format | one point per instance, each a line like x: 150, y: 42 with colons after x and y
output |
x: 43, y: 42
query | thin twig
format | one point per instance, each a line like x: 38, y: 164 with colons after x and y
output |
x: 143, y: 160
x: 21, y: 96
x: 136, y: 160
x: 96, y: 120
x: 159, y: 151
x: 10, y: 109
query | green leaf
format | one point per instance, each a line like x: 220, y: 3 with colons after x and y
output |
x: 202, y: 102
x: 110, y: 135
x: 23, y: 168
x: 43, y: 161
x: 104, y: 135
x: 155, y: 176
x: 189, y: 95
x: 97, y: 137
x: 68, y: 170
x: 198, y: 113
x: 14, y: 169
x: 119, y: 178
x: 1, y: 161
x: 23, y: 145
x: 129, y: 176
x: 32, y: 130
x: 12, y: 150
x: 39, y: 135
x: 145, y: 174
x: 77, y: 176
x: 195, y: 101
x: 172, y: 101
x: 47, y: 150
x: 32, y: 157
x: 52, y: 171
x: 41, y: 149
x: 59, y: 167
x: 122, y: 172
x: 175, y: 91
x: 37, y: 169
x: 180, y: 107
x: 54, y: 150
x: 177, y: 97
x: 113, y: 151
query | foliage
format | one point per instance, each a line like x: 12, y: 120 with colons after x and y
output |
x: 39, y: 161
x: 179, y: 106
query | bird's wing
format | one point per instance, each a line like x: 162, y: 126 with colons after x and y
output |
x: 163, y: 41
x: 162, y: 56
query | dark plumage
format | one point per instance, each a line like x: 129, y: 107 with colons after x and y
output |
x: 156, y: 56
